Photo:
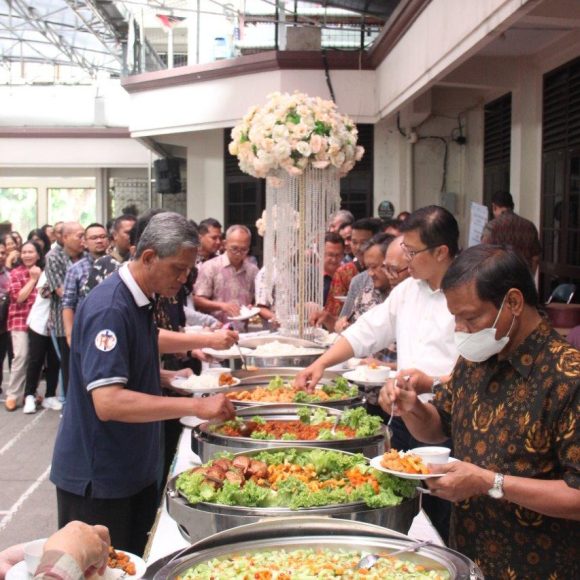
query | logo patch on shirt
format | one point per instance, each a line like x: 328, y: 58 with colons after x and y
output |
x: 106, y: 340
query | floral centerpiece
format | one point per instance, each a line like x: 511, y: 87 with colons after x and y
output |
x: 292, y: 133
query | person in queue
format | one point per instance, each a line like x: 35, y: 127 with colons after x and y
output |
x: 58, y: 262
x: 338, y: 219
x: 74, y: 552
x: 333, y: 255
x: 118, y: 252
x: 376, y: 286
x: 39, y: 236
x: 415, y: 313
x: 510, y: 229
x: 226, y: 283
x: 210, y: 240
x: 74, y: 288
x: 362, y: 231
x: 5, y: 339
x: 511, y: 408
x: 114, y: 406
x: 345, y: 232
x: 416, y: 317
x: 23, y: 279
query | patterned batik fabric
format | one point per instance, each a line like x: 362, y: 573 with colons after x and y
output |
x: 339, y: 287
x: 517, y: 416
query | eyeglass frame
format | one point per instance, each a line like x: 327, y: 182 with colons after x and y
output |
x: 412, y: 253
x: 238, y: 251
x: 392, y: 271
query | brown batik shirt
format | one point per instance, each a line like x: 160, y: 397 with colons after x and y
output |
x: 518, y: 417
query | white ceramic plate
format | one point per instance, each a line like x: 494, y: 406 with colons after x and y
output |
x: 177, y: 383
x: 249, y: 314
x: 20, y: 572
x: 191, y: 421
x: 232, y: 352
x: 352, y: 376
x: 117, y: 573
x: 376, y: 463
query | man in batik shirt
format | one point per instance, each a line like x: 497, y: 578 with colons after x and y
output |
x: 511, y: 409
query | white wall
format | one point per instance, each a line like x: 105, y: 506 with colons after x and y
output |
x: 103, y: 104
x: 88, y: 152
x: 223, y: 102
x: 205, y: 175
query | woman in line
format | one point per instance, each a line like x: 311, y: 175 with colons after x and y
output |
x: 41, y: 239
x: 41, y: 349
x: 12, y: 250
x: 23, y: 280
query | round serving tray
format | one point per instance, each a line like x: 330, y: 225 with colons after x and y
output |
x: 207, y: 442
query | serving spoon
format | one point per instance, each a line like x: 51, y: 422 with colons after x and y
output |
x: 370, y: 560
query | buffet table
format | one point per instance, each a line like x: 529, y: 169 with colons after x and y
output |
x: 166, y: 538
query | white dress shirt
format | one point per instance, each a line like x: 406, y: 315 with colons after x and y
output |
x: 417, y: 318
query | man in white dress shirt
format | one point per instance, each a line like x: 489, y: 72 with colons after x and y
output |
x: 415, y: 314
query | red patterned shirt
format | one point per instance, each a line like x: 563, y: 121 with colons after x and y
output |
x: 339, y: 287
x: 18, y: 312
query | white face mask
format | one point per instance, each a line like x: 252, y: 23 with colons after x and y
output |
x: 481, y: 345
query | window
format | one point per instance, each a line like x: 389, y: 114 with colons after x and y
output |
x: 72, y: 204
x: 496, y: 148
x: 560, y: 207
x: 18, y: 205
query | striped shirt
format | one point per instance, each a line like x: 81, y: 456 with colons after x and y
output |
x: 75, y: 289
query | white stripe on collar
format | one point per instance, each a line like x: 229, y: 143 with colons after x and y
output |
x: 138, y: 295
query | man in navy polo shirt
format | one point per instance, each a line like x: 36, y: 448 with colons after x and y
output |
x: 107, y: 451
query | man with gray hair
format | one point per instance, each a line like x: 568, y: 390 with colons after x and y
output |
x: 227, y: 282
x: 338, y: 219
x: 107, y: 453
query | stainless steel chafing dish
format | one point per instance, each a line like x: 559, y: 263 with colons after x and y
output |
x: 197, y: 521
x: 252, y: 379
x: 206, y: 442
x: 289, y: 360
x: 315, y: 532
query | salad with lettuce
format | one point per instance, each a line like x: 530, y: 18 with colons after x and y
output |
x: 313, y: 424
x: 293, y: 478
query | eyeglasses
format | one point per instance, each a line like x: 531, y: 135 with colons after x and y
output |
x: 238, y: 251
x: 413, y: 253
x: 393, y: 271
x: 94, y: 238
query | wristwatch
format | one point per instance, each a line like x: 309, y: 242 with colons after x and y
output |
x: 436, y: 382
x: 496, y: 490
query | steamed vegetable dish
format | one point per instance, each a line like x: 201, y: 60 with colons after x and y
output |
x: 292, y: 478
x: 309, y: 563
x: 311, y: 425
x: 278, y: 391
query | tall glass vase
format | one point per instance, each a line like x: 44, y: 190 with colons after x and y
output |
x: 297, y: 212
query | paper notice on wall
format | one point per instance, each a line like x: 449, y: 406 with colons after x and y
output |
x: 477, y: 220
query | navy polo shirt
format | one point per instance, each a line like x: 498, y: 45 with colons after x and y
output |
x: 114, y: 341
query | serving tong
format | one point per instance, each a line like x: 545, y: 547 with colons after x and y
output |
x: 368, y: 561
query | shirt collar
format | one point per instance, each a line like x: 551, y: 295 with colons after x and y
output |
x: 425, y: 286
x: 139, y: 296
x: 523, y: 358
x: 227, y: 263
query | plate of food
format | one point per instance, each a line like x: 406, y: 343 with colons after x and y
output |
x: 408, y: 464
x: 123, y: 564
x: 232, y: 352
x: 245, y: 313
x: 205, y: 383
x: 280, y: 391
x: 370, y: 375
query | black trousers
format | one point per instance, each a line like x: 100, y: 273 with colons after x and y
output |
x: 5, y: 349
x: 41, y: 349
x: 64, y: 352
x: 129, y: 519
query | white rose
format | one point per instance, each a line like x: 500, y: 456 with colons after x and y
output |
x: 303, y: 148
